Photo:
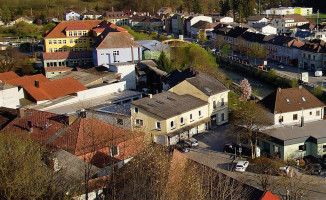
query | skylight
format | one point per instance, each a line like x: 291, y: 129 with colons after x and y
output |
x: 151, y: 105
x: 208, y: 89
x: 288, y: 101
x: 303, y: 99
x: 160, y: 102
x: 170, y: 98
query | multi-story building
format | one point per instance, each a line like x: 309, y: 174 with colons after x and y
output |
x: 313, y: 55
x: 194, y: 19
x: 71, y: 15
x: 118, y: 18
x: 288, y: 23
x: 289, y: 10
x: 168, y: 117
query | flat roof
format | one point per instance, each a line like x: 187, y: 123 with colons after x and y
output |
x: 292, y: 134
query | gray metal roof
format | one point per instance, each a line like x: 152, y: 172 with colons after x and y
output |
x: 169, y: 104
x: 153, y: 45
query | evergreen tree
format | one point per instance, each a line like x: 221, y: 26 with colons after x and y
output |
x: 6, y: 14
x: 163, y: 63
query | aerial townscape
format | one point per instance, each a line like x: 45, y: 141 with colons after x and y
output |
x: 173, y: 100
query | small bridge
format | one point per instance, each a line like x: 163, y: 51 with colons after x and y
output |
x: 172, y: 42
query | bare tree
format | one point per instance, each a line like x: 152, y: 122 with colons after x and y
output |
x: 10, y: 59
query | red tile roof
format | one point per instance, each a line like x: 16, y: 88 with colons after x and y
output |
x: 40, y: 133
x: 71, y: 27
x: 54, y: 89
x: 269, y: 196
x: 8, y: 76
x: 67, y: 55
x: 59, y: 30
x: 28, y: 80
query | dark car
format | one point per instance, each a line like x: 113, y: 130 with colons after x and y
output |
x: 183, y: 146
x: 230, y: 148
x: 316, y: 169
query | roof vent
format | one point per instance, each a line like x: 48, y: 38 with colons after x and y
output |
x: 208, y: 89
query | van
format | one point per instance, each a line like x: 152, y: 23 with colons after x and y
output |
x: 318, y: 73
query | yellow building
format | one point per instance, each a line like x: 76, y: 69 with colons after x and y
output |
x: 167, y: 117
x: 71, y: 36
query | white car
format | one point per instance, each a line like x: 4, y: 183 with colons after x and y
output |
x: 280, y: 66
x: 192, y: 142
x: 241, y: 166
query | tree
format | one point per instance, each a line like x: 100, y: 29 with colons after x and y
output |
x: 226, y: 50
x: 163, y: 63
x: 202, y: 37
x: 219, y: 42
x: 247, y: 120
x: 24, y: 174
x: 11, y: 58
x: 6, y: 14
x: 257, y: 51
x: 245, y: 89
x: 318, y: 91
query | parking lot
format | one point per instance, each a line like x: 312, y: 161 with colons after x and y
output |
x: 210, y: 152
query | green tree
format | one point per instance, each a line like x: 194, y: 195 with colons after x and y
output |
x: 202, y: 37
x: 257, y: 51
x: 226, y: 50
x: 294, y: 83
x: 6, y: 14
x: 163, y: 63
x: 318, y: 91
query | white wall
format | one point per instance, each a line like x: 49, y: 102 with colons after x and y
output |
x: 9, y: 98
x: 196, y: 19
x: 226, y: 19
x: 309, y: 115
x: 269, y: 30
x: 105, y: 56
x: 128, y: 74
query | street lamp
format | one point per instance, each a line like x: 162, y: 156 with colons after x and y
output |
x: 240, y: 150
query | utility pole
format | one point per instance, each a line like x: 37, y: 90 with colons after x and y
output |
x: 317, y: 19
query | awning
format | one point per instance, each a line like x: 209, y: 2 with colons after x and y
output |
x: 187, y: 128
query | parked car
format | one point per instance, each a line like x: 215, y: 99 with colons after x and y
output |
x: 316, y: 169
x: 183, y: 146
x: 318, y: 73
x: 280, y: 66
x: 241, y: 166
x: 230, y: 148
x: 192, y: 142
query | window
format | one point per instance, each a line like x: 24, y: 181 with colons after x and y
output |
x: 55, y: 49
x: 199, y: 114
x: 281, y: 119
x: 191, y: 119
x: 64, y: 41
x: 50, y: 41
x: 136, y: 109
x: 84, y: 32
x: 222, y: 102
x: 139, y: 122
x: 158, y: 125
x: 71, y: 49
x: 60, y: 49
x: 85, y: 41
x: 317, y: 113
x: 295, y: 116
x: 75, y: 41
x: 79, y: 33
x: 80, y: 48
x: 70, y: 33
x: 65, y: 49
x: 310, y: 113
x: 85, y: 48
x: 75, y: 33
x: 214, y: 104
x: 302, y: 147
x: 59, y: 41
x: 76, y: 48
x: 324, y: 148
x: 70, y: 41
x: 222, y: 117
x: 114, y: 151
x: 119, y: 121
x: 80, y: 40
x: 172, y: 125
x: 182, y: 122
x: 90, y: 41
x: 50, y: 49
x: 54, y: 42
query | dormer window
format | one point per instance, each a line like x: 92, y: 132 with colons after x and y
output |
x: 303, y: 99
x: 288, y: 101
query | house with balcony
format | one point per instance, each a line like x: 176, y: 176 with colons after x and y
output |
x: 288, y: 23
x: 167, y: 117
x: 210, y: 90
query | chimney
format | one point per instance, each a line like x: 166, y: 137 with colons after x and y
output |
x: 37, y: 83
x: 279, y: 89
x: 139, y: 55
x: 132, y: 55
x: 300, y: 87
x: 82, y: 113
x: 20, y: 112
x: 150, y: 96
x: 70, y: 118
x: 30, y: 126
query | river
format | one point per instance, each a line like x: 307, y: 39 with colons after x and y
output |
x: 260, y: 88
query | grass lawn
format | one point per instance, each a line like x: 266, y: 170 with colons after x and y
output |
x: 321, y: 15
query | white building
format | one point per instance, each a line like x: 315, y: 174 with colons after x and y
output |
x: 289, y: 10
x: 127, y: 71
x: 194, y: 19
x: 293, y: 106
x: 256, y: 19
x: 265, y: 29
x: 9, y: 96
x: 288, y: 23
